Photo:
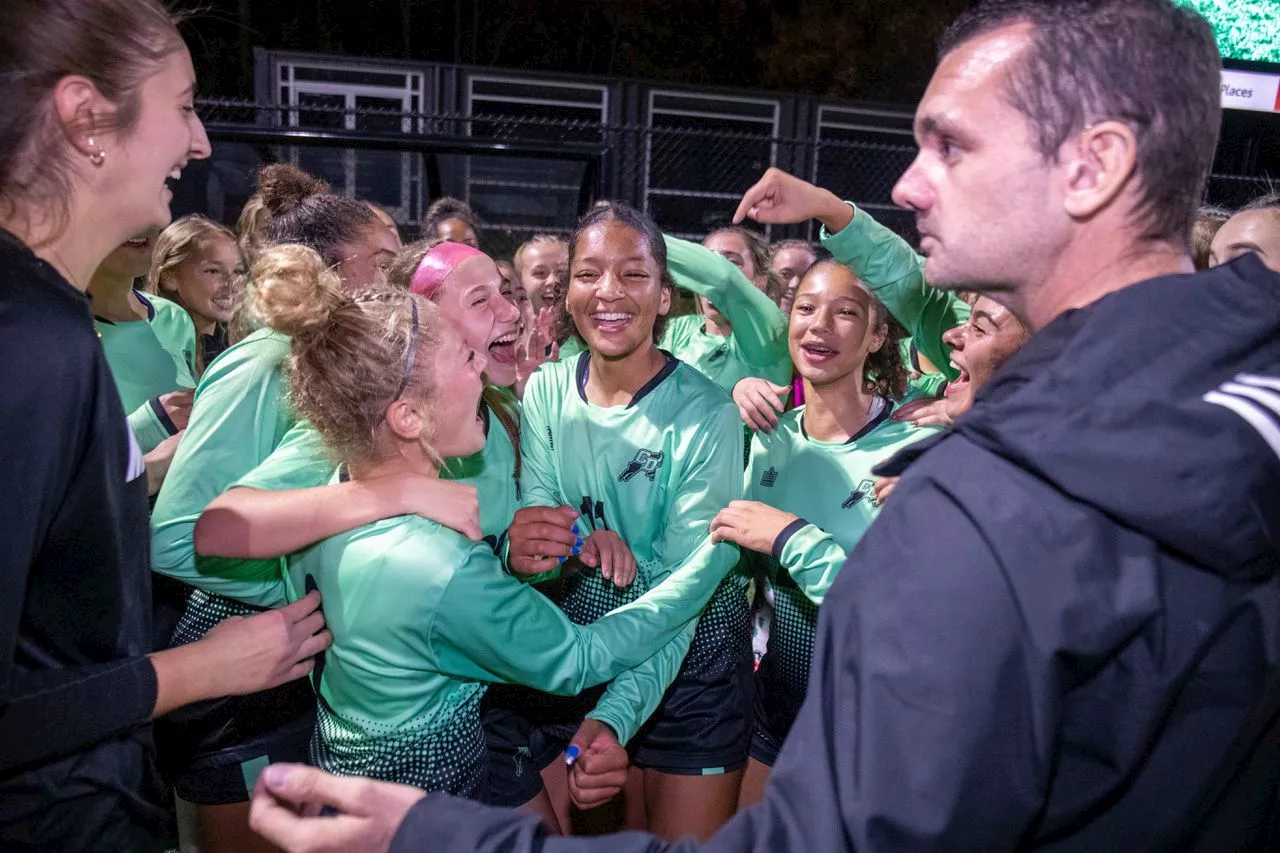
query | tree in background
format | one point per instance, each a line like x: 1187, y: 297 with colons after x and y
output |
x: 874, y: 49
x: 879, y: 49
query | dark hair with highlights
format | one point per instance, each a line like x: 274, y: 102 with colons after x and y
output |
x: 1149, y: 64
x: 303, y: 211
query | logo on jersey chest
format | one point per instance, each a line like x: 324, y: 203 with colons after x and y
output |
x: 646, y: 462
x: 769, y: 477
x: 864, y: 492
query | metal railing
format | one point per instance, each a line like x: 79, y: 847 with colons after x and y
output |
x: 526, y: 174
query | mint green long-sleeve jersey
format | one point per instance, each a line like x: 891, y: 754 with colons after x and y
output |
x: 758, y: 343
x: 239, y: 418
x: 149, y: 358
x: 299, y: 460
x: 828, y: 485
x: 655, y: 471
x: 423, y: 619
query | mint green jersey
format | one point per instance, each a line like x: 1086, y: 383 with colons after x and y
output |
x: 423, y: 619
x: 829, y: 486
x: 302, y: 461
x: 655, y: 471
x: 919, y: 384
x: 492, y: 472
x: 571, y: 347
x: 148, y: 358
x: 892, y: 270
x: 758, y: 344
x: 240, y: 416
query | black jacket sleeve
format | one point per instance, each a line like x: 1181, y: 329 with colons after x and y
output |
x: 927, y: 725
x: 58, y: 695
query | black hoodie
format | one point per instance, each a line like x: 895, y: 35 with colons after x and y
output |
x: 1054, y: 632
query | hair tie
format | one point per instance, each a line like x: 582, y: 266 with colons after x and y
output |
x: 412, y: 354
x: 437, y: 265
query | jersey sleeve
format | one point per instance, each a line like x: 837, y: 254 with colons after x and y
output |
x: 147, y: 428
x: 537, y: 455
x: 216, y: 450
x: 634, y: 695
x: 711, y: 479
x: 51, y: 709
x: 759, y: 326
x: 895, y: 274
x: 534, y: 643
x: 811, y: 556
x: 300, y: 462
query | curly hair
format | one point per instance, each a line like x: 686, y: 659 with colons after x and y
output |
x: 347, y: 349
x: 883, y: 372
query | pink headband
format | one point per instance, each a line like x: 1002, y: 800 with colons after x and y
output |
x: 437, y: 265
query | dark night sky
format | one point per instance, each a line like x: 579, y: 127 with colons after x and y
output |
x: 873, y: 49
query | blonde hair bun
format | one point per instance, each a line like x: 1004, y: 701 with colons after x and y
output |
x: 293, y: 291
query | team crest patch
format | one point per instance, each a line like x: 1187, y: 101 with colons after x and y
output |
x: 865, y: 491
x: 645, y: 462
x: 769, y: 477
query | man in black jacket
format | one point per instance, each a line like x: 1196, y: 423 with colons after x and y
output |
x: 1060, y: 628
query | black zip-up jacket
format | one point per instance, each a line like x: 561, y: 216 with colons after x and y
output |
x: 1054, y: 632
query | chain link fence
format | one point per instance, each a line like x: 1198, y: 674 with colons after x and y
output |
x: 526, y: 174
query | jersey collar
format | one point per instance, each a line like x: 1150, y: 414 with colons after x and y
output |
x: 146, y: 303
x: 870, y: 427
x: 584, y: 367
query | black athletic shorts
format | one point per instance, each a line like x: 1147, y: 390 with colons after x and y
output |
x: 211, y: 752
x: 774, y: 712
x: 782, y: 679
x: 228, y: 775
x: 702, y: 727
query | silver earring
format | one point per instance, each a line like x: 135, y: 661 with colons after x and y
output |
x: 96, y: 155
